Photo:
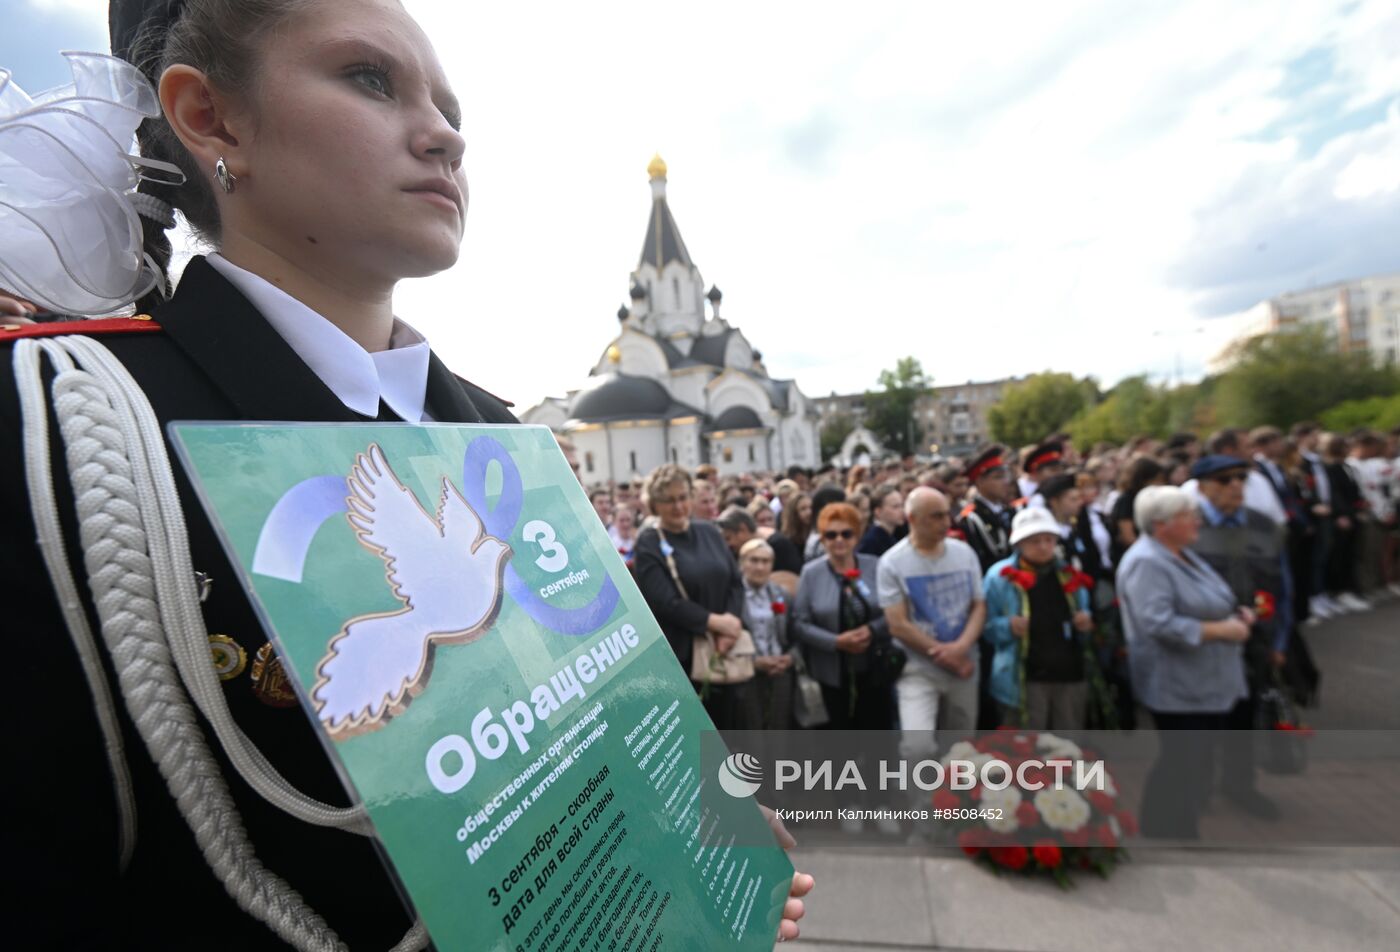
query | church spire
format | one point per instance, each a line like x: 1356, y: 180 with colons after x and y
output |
x: 663, y: 241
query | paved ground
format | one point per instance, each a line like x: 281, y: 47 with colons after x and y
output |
x: 1275, y: 899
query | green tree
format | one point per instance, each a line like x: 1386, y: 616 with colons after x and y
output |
x: 1280, y: 379
x: 1041, y: 404
x: 834, y: 433
x: 889, y: 412
x: 1376, y: 413
x: 1131, y: 408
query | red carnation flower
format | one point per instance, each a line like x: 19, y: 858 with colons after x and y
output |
x: 1011, y: 857
x: 1127, y: 822
x: 851, y: 574
x: 967, y: 842
x: 1078, y: 580
x: 1079, y: 837
x: 1027, y: 815
x: 1022, y: 580
x: 1047, y: 854
x: 1104, y: 836
x: 1100, y: 801
x: 1022, y: 746
x: 945, y: 799
x: 1264, y: 605
x: 779, y: 608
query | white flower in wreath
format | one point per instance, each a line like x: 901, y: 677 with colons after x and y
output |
x: 1002, y: 805
x: 1057, y: 748
x: 962, y: 750
x: 978, y: 761
x: 1062, y: 808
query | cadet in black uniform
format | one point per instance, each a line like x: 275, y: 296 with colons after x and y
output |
x: 985, y: 522
x: 344, y: 179
x: 210, y: 354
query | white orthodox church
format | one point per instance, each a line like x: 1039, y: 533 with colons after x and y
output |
x: 676, y: 386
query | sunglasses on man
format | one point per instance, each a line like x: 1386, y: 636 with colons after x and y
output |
x: 831, y: 535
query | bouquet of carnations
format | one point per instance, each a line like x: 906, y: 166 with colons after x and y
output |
x: 1034, y: 825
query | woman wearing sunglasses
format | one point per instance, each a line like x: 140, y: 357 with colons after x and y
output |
x: 838, y: 619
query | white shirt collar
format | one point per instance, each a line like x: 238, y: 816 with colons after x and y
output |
x: 358, y: 378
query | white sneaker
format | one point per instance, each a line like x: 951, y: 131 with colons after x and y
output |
x: 852, y: 825
x: 1319, y: 609
x: 1336, y: 607
x: 1355, y: 602
x: 887, y: 825
x: 1394, y: 589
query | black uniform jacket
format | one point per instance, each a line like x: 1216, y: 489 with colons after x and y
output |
x: 215, y: 358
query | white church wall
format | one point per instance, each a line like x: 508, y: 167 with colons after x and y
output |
x: 591, y: 445
x: 734, y: 453
x: 688, y: 386
x: 800, y: 446
x: 738, y: 353
x: 685, y: 444
x: 637, y: 449
x: 545, y: 414
x: 640, y: 357
x: 733, y: 389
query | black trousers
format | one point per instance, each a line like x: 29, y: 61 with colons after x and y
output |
x: 864, y: 705
x: 1183, y: 776
x: 733, y: 707
x: 859, y: 704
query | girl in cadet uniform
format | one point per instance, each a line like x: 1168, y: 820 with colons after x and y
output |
x: 321, y: 154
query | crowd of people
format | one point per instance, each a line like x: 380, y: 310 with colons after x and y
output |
x: 1047, y: 588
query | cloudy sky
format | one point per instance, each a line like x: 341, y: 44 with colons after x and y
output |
x: 1086, y: 187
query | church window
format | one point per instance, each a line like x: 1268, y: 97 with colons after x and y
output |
x: 751, y: 457
x: 676, y: 288
x: 675, y: 455
x: 632, y: 460
x: 588, y: 462
x: 729, y: 454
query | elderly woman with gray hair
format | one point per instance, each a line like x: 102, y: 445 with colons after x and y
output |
x: 1185, y: 633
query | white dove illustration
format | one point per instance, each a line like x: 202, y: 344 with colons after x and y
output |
x: 445, y: 569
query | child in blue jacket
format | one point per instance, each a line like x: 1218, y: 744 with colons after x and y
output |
x: 1037, y: 620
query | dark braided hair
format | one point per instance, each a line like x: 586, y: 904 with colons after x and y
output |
x: 220, y: 38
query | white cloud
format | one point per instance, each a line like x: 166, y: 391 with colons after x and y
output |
x: 992, y: 189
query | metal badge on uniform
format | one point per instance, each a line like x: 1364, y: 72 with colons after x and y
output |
x: 228, y: 656
x: 270, y: 684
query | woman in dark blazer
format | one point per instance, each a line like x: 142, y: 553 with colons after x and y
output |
x: 837, y: 620
x: 708, y: 602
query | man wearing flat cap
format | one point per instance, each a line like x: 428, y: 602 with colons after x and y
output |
x: 1247, y: 549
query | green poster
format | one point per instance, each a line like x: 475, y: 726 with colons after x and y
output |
x: 491, y: 683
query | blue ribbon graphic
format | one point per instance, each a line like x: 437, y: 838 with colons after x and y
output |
x: 287, y: 533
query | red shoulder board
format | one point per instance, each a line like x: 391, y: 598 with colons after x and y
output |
x: 140, y: 324
x: 967, y: 510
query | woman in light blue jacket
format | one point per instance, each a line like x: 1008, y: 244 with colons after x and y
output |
x: 1185, y: 632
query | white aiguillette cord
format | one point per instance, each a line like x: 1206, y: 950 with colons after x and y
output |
x: 137, y: 556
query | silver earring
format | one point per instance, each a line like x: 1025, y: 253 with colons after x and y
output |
x: 226, y: 179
